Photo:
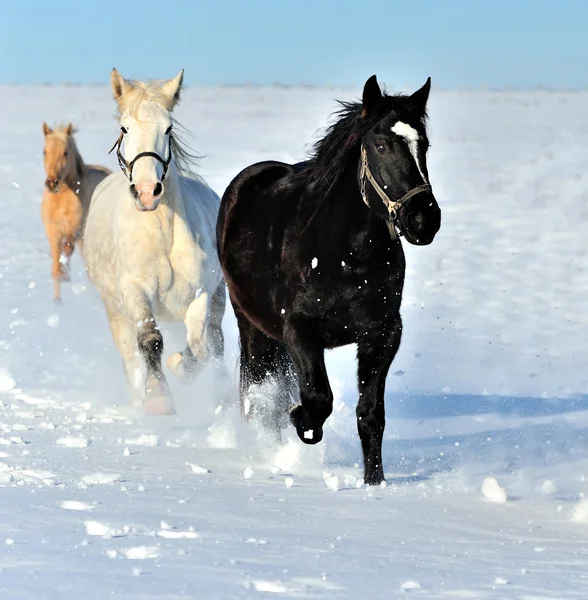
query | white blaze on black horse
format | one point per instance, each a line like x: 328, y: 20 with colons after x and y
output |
x: 411, y: 136
x: 313, y: 259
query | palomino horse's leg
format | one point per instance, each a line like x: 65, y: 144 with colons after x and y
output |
x: 55, y: 242
x: 125, y: 338
x: 316, y: 397
x: 375, y: 353
x: 68, y: 249
x: 80, y: 246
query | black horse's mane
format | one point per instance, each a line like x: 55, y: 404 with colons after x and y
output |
x: 330, y: 155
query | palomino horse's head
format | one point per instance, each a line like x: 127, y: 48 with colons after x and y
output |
x: 393, y: 176
x: 146, y: 132
x: 57, y: 155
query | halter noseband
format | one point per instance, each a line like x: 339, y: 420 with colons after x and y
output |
x: 392, y: 205
x: 127, y: 167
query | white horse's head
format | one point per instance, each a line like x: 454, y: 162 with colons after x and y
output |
x: 146, y: 130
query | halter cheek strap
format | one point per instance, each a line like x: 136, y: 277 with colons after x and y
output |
x: 127, y: 167
x: 393, y: 206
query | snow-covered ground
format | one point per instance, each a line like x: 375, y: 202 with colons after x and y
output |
x: 486, y: 449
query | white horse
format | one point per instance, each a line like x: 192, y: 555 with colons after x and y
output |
x: 150, y: 245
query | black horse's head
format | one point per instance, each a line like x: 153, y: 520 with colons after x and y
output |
x: 393, y: 176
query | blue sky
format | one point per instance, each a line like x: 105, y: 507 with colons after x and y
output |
x: 459, y: 43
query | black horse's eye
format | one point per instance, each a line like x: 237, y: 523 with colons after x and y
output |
x: 123, y: 129
x: 381, y: 148
x: 168, y: 130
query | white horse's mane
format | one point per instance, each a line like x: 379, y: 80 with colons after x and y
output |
x: 138, y: 92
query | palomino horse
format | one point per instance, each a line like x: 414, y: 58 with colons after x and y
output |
x: 150, y: 244
x: 312, y: 258
x: 68, y: 190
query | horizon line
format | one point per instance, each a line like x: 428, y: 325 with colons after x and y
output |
x: 309, y: 86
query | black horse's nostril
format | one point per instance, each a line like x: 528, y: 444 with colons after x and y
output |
x: 416, y: 221
x: 158, y: 189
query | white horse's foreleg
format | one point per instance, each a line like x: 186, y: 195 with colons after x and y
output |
x: 125, y: 338
x: 158, y: 399
x: 184, y: 364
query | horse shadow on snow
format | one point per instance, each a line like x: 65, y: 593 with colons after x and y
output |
x: 427, y: 435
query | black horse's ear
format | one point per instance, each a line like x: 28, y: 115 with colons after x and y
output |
x: 372, y: 94
x: 421, y: 96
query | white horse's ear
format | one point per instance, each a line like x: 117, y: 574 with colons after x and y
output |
x: 172, y: 88
x: 120, y: 86
x: 46, y: 129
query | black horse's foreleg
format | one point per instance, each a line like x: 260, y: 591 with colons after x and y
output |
x: 316, y: 397
x: 375, y: 353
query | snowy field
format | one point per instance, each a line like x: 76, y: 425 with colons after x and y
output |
x: 97, y: 502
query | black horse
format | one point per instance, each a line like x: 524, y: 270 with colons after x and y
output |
x: 312, y: 258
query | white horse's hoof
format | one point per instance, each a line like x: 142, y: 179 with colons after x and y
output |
x: 174, y: 364
x: 182, y: 368
x: 159, y: 406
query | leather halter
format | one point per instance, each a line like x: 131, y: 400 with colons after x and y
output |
x: 392, y: 205
x: 127, y: 167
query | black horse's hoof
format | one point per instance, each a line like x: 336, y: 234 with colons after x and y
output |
x: 310, y: 436
x: 309, y: 432
x: 375, y: 480
x: 374, y: 475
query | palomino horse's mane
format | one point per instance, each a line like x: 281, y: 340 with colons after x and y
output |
x: 65, y: 133
x: 151, y: 91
